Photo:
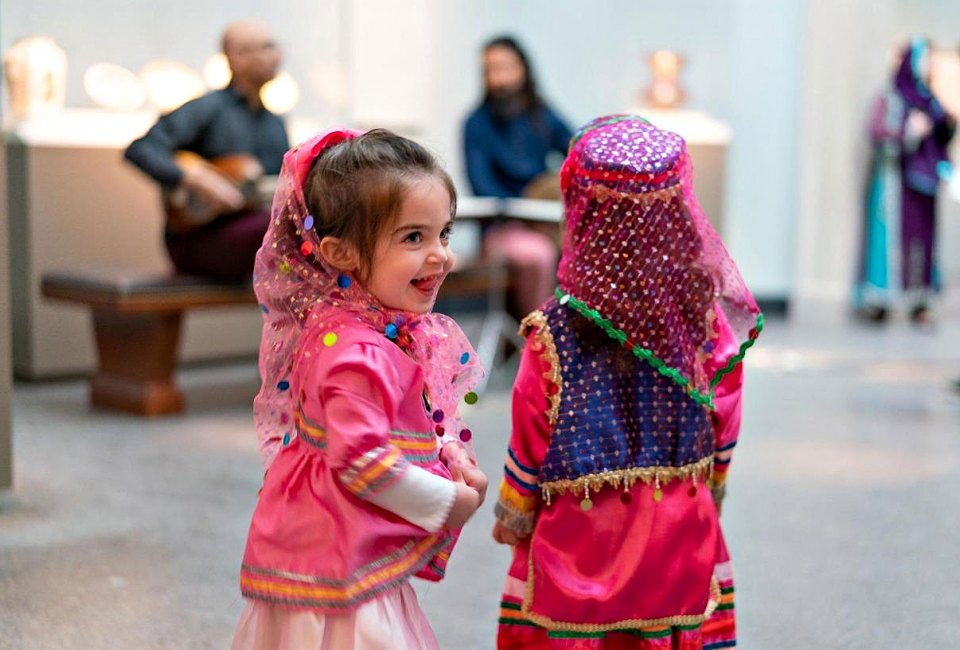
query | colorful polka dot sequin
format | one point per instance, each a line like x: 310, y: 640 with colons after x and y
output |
x: 616, y: 411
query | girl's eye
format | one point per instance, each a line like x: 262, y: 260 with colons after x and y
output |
x: 445, y: 233
x: 414, y: 237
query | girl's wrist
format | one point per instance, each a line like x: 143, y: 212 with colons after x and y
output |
x: 454, y: 453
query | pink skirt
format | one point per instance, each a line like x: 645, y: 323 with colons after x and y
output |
x: 391, y: 621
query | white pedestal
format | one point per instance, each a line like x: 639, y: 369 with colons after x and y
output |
x: 707, y: 141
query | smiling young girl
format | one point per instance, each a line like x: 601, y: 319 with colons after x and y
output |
x: 370, y: 470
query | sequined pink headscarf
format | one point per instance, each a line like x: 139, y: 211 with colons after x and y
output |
x: 293, y: 283
x: 640, y: 257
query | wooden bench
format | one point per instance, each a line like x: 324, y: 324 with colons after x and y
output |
x: 136, y: 320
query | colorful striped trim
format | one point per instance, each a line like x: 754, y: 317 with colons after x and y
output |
x: 418, y: 447
x: 511, y: 614
x: 516, y: 500
x: 309, y: 431
x: 285, y: 588
x: 514, y: 510
x: 519, y: 522
x: 373, y: 471
x: 525, y: 477
x: 544, y: 344
x: 726, y: 599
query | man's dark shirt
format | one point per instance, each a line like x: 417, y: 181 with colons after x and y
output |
x: 218, y: 124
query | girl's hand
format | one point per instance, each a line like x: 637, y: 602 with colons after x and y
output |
x: 476, y: 479
x: 464, y: 505
x: 504, y: 535
x: 462, y: 468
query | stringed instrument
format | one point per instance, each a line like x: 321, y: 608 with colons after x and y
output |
x: 186, y: 210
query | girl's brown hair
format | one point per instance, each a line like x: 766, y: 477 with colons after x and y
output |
x: 356, y: 188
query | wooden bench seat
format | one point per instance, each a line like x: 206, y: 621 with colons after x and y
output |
x: 137, y: 322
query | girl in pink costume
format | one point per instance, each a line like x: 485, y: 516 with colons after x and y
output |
x: 626, y: 409
x: 370, y: 471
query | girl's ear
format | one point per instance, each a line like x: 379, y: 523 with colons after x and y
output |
x: 339, y: 254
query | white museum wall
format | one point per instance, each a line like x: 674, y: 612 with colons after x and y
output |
x: 792, y: 78
x: 845, y: 66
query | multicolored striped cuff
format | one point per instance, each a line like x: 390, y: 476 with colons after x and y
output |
x: 514, y: 510
x: 721, y: 463
x: 523, y: 476
x: 373, y: 471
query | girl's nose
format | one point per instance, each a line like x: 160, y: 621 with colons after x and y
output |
x: 439, y: 254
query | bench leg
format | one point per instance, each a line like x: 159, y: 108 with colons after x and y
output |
x: 137, y: 357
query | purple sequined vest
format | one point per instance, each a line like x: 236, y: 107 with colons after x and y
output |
x: 617, y: 413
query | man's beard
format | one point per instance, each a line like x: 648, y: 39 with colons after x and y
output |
x: 508, y: 105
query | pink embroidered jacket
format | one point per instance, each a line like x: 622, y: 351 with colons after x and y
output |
x: 648, y: 555
x: 318, y: 538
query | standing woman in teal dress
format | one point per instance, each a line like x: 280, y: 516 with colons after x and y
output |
x: 910, y: 131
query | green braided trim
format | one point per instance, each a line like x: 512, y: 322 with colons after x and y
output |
x: 746, y: 345
x: 621, y: 337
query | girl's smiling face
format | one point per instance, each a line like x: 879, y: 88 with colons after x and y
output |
x: 413, y: 255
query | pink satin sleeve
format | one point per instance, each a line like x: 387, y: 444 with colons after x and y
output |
x: 531, y: 426
x: 530, y: 437
x: 727, y: 401
x: 354, y: 394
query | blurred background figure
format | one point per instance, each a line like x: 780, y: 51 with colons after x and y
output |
x: 507, y: 140
x: 910, y: 131
x: 216, y: 218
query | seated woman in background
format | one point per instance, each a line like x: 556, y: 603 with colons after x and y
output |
x: 507, y: 140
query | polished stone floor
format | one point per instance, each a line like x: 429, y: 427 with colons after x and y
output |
x: 842, y: 515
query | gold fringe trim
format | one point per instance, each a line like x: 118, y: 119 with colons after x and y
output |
x: 679, y: 619
x: 538, y: 320
x: 701, y: 470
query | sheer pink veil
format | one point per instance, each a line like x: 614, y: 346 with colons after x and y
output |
x: 297, y: 289
x: 641, y: 259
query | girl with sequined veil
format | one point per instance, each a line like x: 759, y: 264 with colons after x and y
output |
x: 626, y: 409
x: 370, y: 471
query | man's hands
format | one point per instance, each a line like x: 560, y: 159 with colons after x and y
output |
x: 220, y: 193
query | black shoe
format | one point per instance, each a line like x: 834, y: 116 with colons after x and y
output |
x: 920, y: 315
x: 873, y: 314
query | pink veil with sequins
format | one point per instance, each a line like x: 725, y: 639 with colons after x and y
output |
x: 641, y: 259
x: 293, y: 283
